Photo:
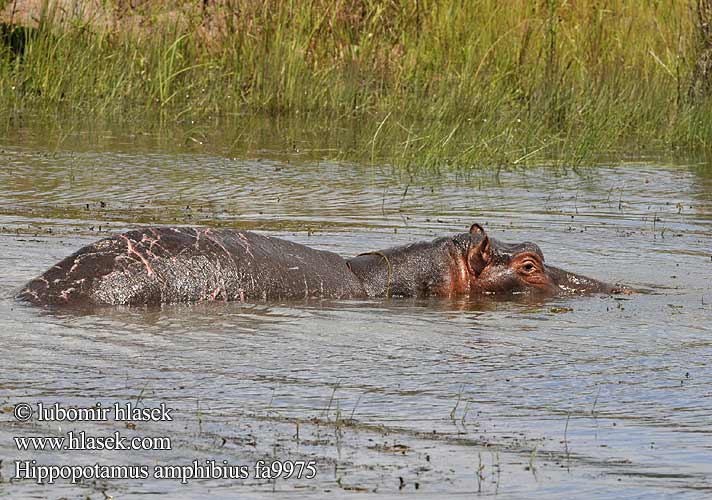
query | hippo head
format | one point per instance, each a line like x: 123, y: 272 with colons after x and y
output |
x: 495, y: 267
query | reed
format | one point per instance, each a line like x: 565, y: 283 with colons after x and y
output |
x: 418, y: 82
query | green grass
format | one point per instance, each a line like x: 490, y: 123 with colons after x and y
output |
x: 418, y: 83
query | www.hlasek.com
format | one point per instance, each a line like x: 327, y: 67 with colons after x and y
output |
x: 80, y: 440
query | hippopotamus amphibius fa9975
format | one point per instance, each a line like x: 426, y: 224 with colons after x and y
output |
x: 179, y: 264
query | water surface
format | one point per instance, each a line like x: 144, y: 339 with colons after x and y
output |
x: 577, y: 397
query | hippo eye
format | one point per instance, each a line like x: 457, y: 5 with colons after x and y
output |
x: 528, y: 267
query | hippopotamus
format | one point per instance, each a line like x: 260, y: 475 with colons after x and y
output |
x: 160, y: 265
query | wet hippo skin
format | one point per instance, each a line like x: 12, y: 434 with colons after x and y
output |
x: 169, y: 265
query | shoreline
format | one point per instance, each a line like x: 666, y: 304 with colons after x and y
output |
x: 438, y: 83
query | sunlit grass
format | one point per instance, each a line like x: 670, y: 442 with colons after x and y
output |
x: 426, y: 83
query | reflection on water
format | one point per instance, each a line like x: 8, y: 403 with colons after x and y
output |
x: 571, y: 397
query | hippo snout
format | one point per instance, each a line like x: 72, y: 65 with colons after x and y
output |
x: 568, y: 282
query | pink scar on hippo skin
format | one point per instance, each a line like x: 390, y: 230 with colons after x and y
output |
x: 210, y: 237
x: 206, y: 233
x: 245, y: 244
x: 132, y: 250
x: 78, y: 260
x: 151, y: 243
x: 198, y: 233
x: 65, y: 293
x: 214, y: 239
x: 157, y: 238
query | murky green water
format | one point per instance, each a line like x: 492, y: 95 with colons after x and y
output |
x: 569, y: 398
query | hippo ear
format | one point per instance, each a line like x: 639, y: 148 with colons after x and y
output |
x: 476, y: 229
x: 479, y: 255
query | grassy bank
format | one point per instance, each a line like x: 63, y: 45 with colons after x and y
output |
x: 421, y: 82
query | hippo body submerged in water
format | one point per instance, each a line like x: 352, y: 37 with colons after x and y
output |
x: 169, y: 265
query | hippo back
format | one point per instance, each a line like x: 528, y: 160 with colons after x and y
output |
x: 164, y: 265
